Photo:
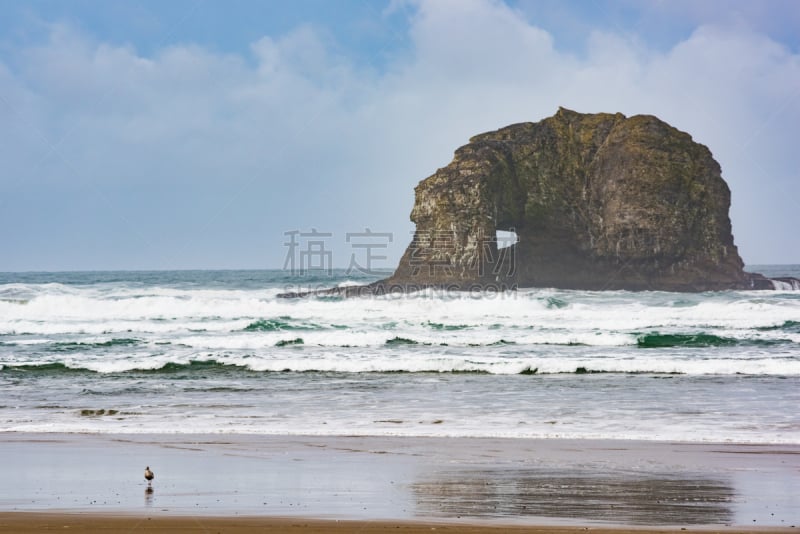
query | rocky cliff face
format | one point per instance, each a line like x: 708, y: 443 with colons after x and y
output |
x: 597, y: 201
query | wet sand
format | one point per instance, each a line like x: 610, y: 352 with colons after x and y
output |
x: 23, y: 523
x: 239, y: 483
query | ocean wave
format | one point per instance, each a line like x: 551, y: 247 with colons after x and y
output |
x: 69, y: 346
x: 365, y: 337
x: 436, y: 365
x: 786, y: 326
x: 401, y: 341
x: 290, y: 342
x: 117, y: 328
x: 389, y: 429
x: 197, y: 352
x: 54, y: 368
x: 55, y: 308
x: 446, y: 327
x: 700, y: 340
x: 393, y: 334
x: 279, y: 324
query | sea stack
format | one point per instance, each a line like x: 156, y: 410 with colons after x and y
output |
x: 597, y: 202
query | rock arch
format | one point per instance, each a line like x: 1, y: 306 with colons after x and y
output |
x: 598, y: 201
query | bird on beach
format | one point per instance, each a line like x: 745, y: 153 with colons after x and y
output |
x: 148, y: 475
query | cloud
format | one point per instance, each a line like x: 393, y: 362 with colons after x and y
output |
x: 195, y: 158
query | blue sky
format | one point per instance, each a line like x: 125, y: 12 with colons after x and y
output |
x: 195, y: 133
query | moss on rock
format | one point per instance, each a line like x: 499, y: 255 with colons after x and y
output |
x: 598, y: 201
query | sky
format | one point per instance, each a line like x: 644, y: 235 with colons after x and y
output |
x: 201, y: 134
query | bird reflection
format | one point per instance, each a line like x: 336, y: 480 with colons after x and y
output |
x: 148, y: 496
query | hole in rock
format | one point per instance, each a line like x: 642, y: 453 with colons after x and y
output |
x: 506, y: 238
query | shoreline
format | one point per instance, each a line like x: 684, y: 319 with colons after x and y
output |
x: 25, y: 522
x: 467, y: 482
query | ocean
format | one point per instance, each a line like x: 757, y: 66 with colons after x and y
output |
x: 219, y: 352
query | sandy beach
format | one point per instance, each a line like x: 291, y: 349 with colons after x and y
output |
x: 371, y: 484
x: 24, y: 523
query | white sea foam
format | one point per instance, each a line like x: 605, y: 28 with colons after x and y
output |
x: 738, y: 353
x: 587, y: 311
x: 781, y: 285
x: 304, y: 359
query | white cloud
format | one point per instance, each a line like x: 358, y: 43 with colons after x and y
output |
x: 295, y: 134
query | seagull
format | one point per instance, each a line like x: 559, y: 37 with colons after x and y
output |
x: 148, y: 475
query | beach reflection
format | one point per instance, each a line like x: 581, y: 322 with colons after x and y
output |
x: 148, y: 496
x: 633, y: 498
